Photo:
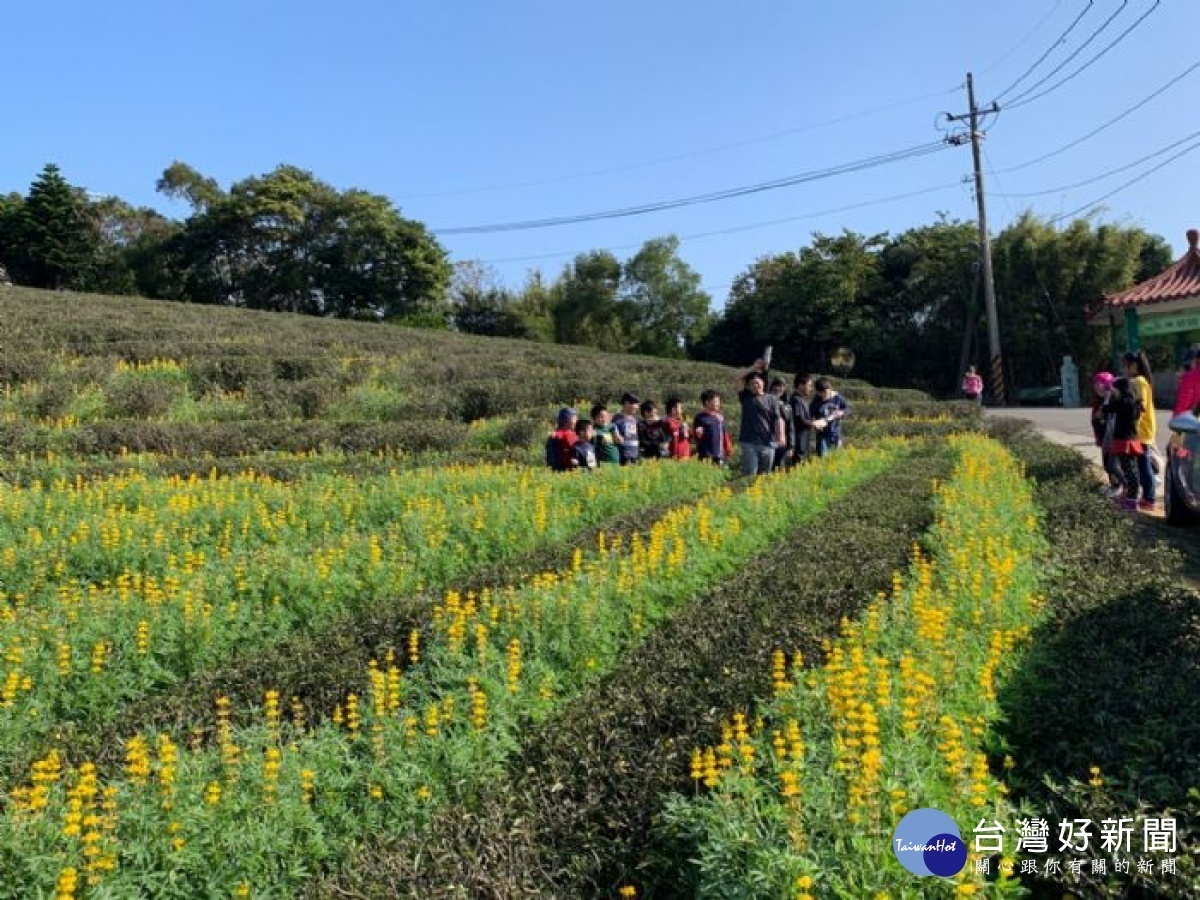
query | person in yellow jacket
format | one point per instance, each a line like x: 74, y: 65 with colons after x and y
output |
x: 1137, y: 367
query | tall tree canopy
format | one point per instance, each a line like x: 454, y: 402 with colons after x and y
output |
x: 286, y: 241
x: 663, y: 307
x: 50, y: 239
x: 909, y: 305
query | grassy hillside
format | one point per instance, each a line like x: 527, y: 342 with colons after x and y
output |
x: 94, y: 375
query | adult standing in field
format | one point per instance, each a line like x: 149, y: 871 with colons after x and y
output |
x: 626, y: 422
x: 972, y: 385
x: 762, y: 428
x: 801, y: 405
x: 1137, y: 370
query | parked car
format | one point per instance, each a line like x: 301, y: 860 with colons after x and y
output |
x: 1040, y: 396
x: 1181, y: 481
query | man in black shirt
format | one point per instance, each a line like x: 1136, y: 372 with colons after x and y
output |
x: 762, y: 427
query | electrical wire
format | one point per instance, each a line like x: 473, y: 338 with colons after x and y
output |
x: 1113, y: 121
x: 1078, y: 184
x: 1018, y: 102
x: 1024, y: 40
x: 848, y: 168
x: 750, y: 227
x: 1062, y: 65
x: 1057, y: 43
x: 691, y: 154
x: 1063, y: 335
x: 1128, y: 184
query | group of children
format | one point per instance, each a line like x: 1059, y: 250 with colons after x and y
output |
x: 642, y: 431
x: 639, y: 431
x: 1124, y: 427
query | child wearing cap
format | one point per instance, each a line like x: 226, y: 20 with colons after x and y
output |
x: 626, y: 423
x: 560, y: 443
x: 1103, y: 421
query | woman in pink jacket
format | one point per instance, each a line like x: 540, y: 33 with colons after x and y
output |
x: 1188, y: 396
x: 972, y: 385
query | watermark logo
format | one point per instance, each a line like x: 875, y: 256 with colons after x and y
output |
x: 927, y: 842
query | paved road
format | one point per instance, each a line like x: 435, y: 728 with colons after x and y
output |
x: 1071, y: 427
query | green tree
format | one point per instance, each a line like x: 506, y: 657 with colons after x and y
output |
x: 131, y: 256
x: 286, y: 241
x: 663, y: 308
x: 1047, y: 278
x: 11, y: 216
x: 60, y: 242
x: 481, y: 305
x: 535, y: 304
x: 924, y: 316
x: 179, y: 181
x: 805, y: 303
x: 588, y: 308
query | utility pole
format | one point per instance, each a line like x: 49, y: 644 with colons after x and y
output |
x: 996, y: 363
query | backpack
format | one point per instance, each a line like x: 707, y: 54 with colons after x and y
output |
x: 558, y: 453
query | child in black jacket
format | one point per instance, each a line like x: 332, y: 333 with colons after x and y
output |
x: 1125, y: 409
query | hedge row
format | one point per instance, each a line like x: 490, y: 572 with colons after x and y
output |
x: 1111, y: 680
x: 574, y: 816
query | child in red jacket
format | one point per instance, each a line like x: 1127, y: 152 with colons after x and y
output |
x: 681, y: 447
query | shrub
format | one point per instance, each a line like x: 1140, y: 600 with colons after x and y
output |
x: 141, y: 398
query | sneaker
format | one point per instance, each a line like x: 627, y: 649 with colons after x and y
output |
x: 1147, y: 505
x: 1112, y: 491
x: 1127, y: 503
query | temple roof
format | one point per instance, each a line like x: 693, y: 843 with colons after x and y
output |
x: 1181, y: 281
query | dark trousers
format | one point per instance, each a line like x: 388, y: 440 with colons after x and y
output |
x: 1145, y: 473
x: 1129, y: 473
x: 1112, y: 468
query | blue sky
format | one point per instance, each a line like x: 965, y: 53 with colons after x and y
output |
x: 470, y: 113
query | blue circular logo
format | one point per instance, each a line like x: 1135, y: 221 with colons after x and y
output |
x: 927, y: 842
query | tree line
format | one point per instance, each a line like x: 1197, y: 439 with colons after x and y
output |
x: 909, y: 305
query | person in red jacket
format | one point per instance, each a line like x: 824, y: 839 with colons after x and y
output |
x: 1188, y: 396
x: 560, y: 444
x: 681, y: 446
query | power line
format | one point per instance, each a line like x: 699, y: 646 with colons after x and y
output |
x: 1057, y: 43
x: 1018, y: 102
x: 1113, y: 121
x: 848, y: 168
x: 749, y: 227
x: 1137, y: 162
x: 1127, y: 184
x: 691, y: 154
x: 1062, y: 65
x: 1037, y: 271
x: 1024, y: 40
